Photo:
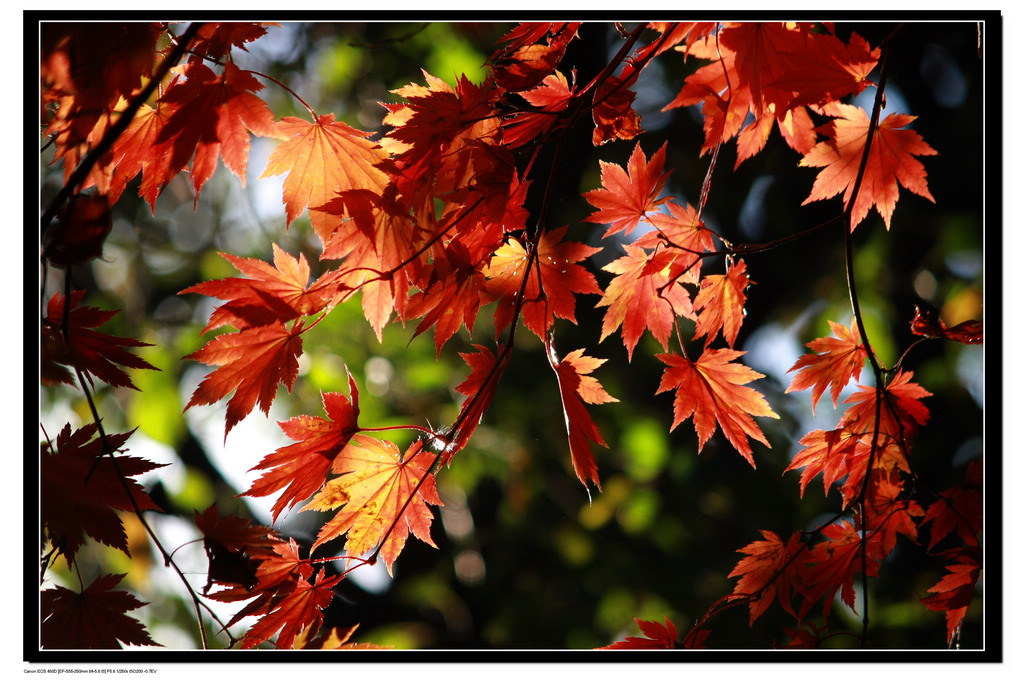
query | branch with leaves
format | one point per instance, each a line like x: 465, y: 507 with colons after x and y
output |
x: 429, y: 223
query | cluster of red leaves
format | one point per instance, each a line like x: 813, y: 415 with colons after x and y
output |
x: 249, y: 560
x: 428, y: 223
x: 763, y: 75
x: 866, y: 457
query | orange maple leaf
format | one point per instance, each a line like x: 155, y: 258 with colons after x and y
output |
x: 643, y: 295
x: 303, y: 465
x: 554, y: 281
x: 682, y: 230
x: 269, y: 293
x: 712, y: 390
x: 902, y: 411
x: 576, y: 387
x: 335, y: 638
x: 828, y: 453
x: 552, y: 95
x: 251, y: 362
x: 891, y: 162
x: 768, y: 571
x: 323, y: 158
x: 382, y: 494
x: 833, y: 363
x: 377, y: 242
x: 628, y: 195
x: 720, y: 304
x: 137, y: 151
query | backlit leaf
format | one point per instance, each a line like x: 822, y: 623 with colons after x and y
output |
x: 381, y: 496
x: 712, y: 390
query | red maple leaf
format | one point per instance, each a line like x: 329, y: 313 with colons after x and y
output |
x: 825, y: 452
x: 684, y: 233
x: 93, y: 352
x: 656, y: 636
x: 954, y: 592
x: 712, y: 390
x: 888, y: 512
x: 927, y: 323
x: 92, y: 619
x: 768, y: 571
x: 628, y: 195
x: 213, y: 115
x: 758, y: 65
x: 82, y: 227
x: 614, y: 118
x: 825, y: 69
x: 833, y: 363
x: 269, y: 293
x: 522, y: 64
x: 137, y: 150
x: 554, y: 280
x: 251, y: 362
x: 382, y: 494
x: 87, y: 69
x: 479, y: 386
x: 902, y: 411
x: 442, y: 137
x: 770, y: 70
x: 576, y: 387
x: 644, y: 294
x: 719, y: 304
x: 321, y: 159
x: 216, y: 39
x: 451, y: 295
x: 674, y: 33
x: 713, y: 86
x: 834, y: 562
x: 891, y: 163
x: 82, y: 489
x: 958, y: 509
x: 551, y: 96
x: 302, y: 467
x: 280, y: 568
x: 295, y: 606
x: 376, y: 241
